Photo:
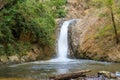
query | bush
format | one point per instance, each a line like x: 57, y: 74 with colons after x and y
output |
x: 29, y: 16
x: 57, y: 8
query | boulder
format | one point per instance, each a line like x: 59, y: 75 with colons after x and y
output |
x: 4, y: 59
x: 31, y: 56
x: 24, y: 59
x: 14, y: 59
x: 107, y: 74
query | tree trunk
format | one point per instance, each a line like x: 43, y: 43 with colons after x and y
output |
x: 114, y: 25
x: 70, y: 75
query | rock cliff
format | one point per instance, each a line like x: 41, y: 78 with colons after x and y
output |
x: 85, y: 40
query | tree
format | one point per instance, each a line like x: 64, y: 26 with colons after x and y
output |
x: 109, y: 4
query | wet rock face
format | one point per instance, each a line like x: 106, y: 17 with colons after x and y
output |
x: 73, y: 40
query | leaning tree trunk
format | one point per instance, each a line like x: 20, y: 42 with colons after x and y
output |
x: 114, y: 25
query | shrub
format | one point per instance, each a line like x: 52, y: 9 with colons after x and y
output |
x: 29, y: 16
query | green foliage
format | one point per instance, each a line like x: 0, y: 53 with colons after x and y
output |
x: 104, y: 15
x: 2, y: 51
x: 105, y: 31
x: 29, y: 16
x: 108, y: 3
x: 19, y: 48
x: 57, y: 8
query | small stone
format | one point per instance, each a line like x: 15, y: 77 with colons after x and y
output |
x: 113, y: 76
x: 105, y: 74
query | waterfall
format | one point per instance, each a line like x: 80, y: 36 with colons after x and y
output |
x: 63, y: 40
x: 62, y: 50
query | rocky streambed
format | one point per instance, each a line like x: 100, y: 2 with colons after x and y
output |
x: 101, y: 75
x: 82, y: 75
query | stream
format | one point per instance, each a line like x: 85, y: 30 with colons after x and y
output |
x: 42, y: 70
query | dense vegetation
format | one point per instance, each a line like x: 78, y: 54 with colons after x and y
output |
x: 23, y: 22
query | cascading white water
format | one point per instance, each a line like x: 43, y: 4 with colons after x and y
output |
x: 63, y: 41
x: 62, y: 50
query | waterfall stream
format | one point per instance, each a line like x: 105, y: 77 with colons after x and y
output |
x: 62, y: 50
x: 63, y: 40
